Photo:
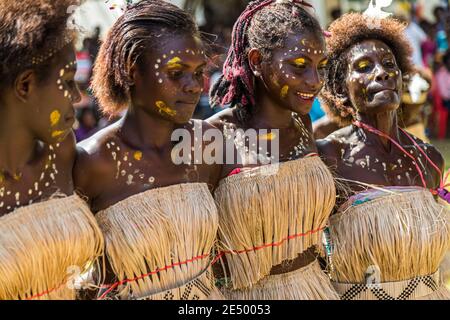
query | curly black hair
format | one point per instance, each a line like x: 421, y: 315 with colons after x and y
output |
x: 140, y: 28
x: 32, y: 32
x: 263, y: 25
x: 350, y: 29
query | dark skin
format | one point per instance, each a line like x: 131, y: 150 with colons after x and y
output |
x: 374, y: 84
x: 143, y: 135
x: 36, y: 120
x: 147, y: 129
x: 288, y: 83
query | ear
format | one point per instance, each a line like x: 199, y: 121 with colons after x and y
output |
x: 24, y: 85
x: 133, y: 75
x: 254, y: 60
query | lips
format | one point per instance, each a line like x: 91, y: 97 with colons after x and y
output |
x: 374, y: 89
x: 306, y: 96
x: 69, y: 117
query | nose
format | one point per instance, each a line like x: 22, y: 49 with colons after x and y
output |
x: 76, y: 94
x: 314, y: 81
x: 380, y: 73
x: 193, y: 85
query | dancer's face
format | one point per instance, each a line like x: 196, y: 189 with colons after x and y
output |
x: 294, y: 75
x: 374, y: 80
x: 47, y: 104
x: 171, y: 83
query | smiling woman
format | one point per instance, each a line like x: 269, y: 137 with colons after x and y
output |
x: 271, y: 224
x: 390, y: 233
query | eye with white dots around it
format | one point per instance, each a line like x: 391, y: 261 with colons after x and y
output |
x: 172, y: 61
x: 61, y: 83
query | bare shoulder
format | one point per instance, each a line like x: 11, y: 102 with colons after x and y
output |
x: 331, y: 146
x: 433, y: 153
x: 94, y: 166
x: 220, y: 119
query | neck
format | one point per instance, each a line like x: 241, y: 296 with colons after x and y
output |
x: 269, y: 114
x: 144, y: 131
x: 385, y: 122
x: 17, y: 143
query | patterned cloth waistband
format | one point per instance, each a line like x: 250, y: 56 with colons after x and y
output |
x: 415, y: 288
x: 200, y: 288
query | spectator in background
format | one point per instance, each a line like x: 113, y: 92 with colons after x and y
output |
x: 87, y: 124
x: 416, y: 37
x: 443, y: 80
x: 335, y: 14
x: 92, y: 44
x: 429, y: 47
x: 441, y: 14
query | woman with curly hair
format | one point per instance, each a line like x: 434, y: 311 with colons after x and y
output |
x: 390, y: 233
x: 158, y: 216
x: 272, y: 215
x: 47, y: 233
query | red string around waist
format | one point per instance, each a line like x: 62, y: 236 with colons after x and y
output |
x: 202, y: 257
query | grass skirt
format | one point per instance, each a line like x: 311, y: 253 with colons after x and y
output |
x: 160, y: 239
x: 307, y: 283
x: 44, y: 245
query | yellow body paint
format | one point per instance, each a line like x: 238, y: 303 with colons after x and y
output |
x: 363, y: 64
x: 163, y: 108
x: 55, y: 116
x: 300, y: 62
x: 284, y: 91
x: 57, y: 133
x: 2, y: 178
x: 174, y: 63
x: 138, y: 155
x: 269, y: 136
x: 324, y: 63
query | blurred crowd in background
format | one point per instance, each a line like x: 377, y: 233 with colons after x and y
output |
x: 426, y: 98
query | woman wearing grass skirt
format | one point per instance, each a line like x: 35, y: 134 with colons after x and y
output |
x: 391, y: 231
x: 273, y: 211
x: 48, y: 235
x: 158, y: 216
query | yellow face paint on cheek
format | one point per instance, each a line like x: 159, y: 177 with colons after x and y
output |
x: 284, y: 91
x: 300, y: 62
x: 163, y: 108
x: 55, y: 116
x: 138, y: 155
x: 57, y: 133
x: 174, y: 63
